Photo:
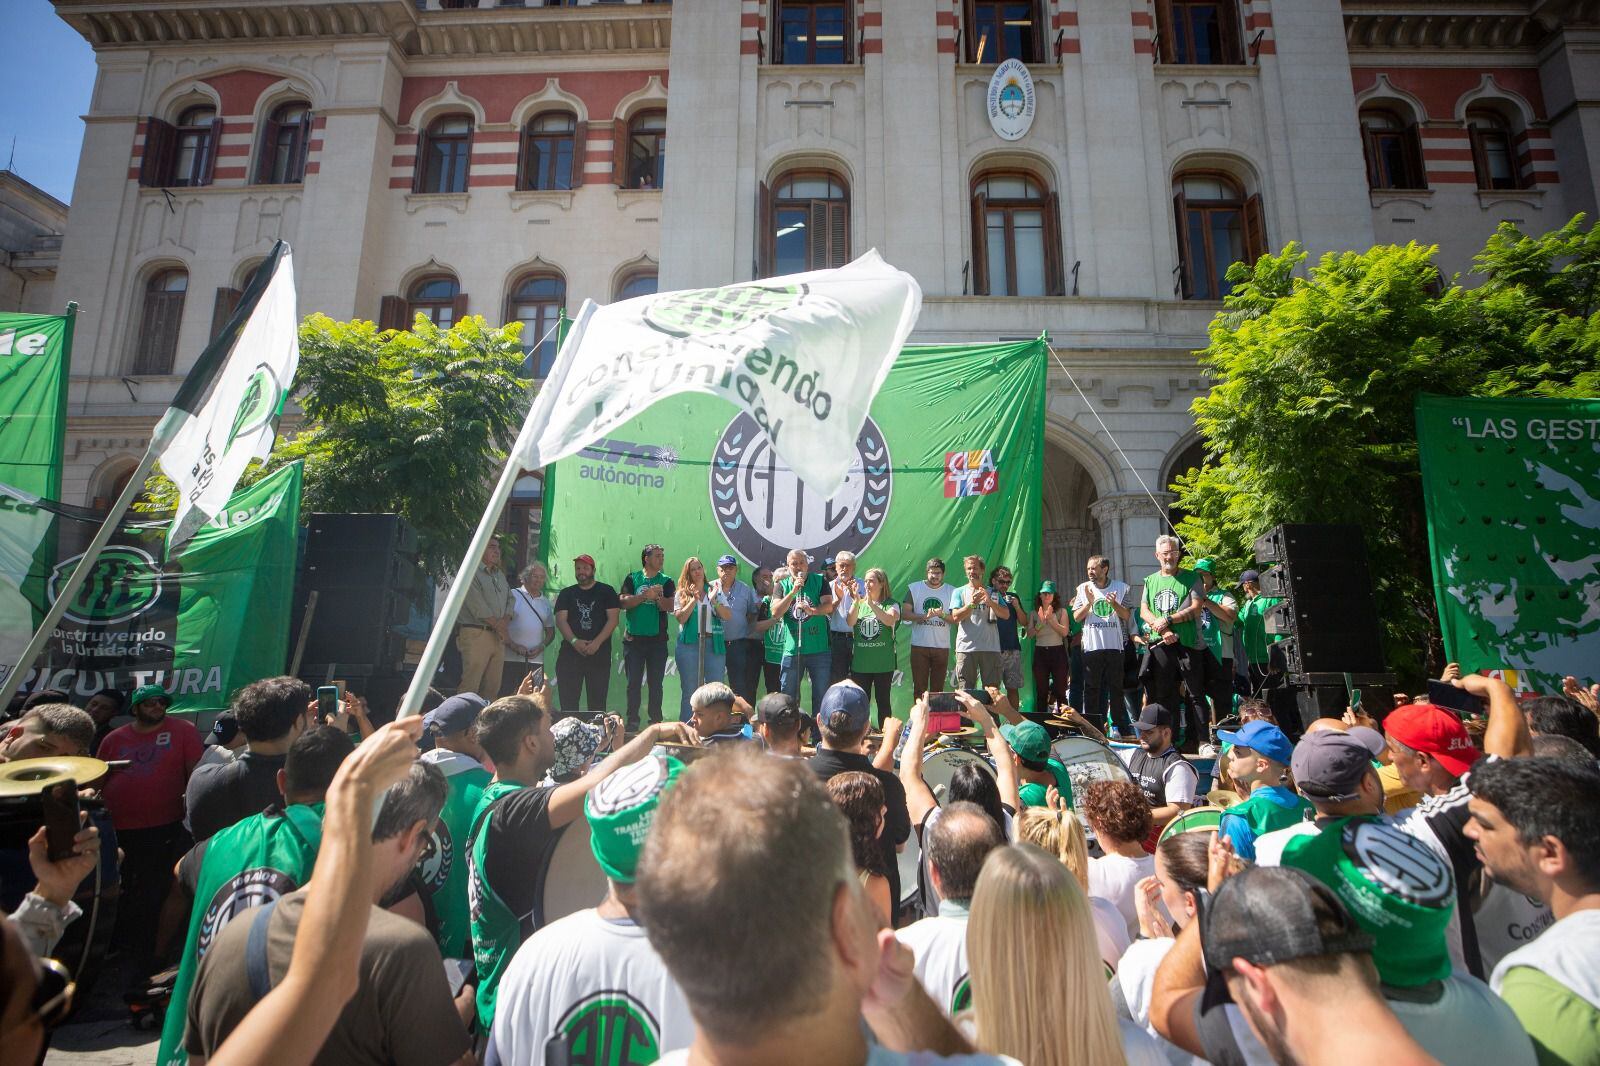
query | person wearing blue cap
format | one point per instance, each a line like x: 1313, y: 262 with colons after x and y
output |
x: 1258, y: 763
x: 442, y: 870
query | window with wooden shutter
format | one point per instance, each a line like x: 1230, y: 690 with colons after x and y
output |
x: 1215, y: 231
x: 458, y: 308
x: 1166, y: 49
x: 536, y: 301
x: 444, y: 155
x: 1255, y: 229
x: 980, y: 258
x: 162, y: 314
x: 433, y: 296
x: 285, y: 140
x: 551, y: 152
x: 195, y: 147
x: 222, y: 309
x: 1494, y: 160
x: 812, y: 31
x: 392, y: 313
x: 764, y: 230
x: 1393, y: 150
x: 647, y: 150
x: 1011, y: 235
x: 1055, y: 268
x: 1180, y: 213
x: 619, y: 154
x: 1198, y: 32
x: 997, y: 30
x: 160, y: 142
x: 805, y: 223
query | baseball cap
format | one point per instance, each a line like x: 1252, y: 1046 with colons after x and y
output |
x: 1329, y: 765
x: 844, y: 709
x: 1370, y: 738
x: 777, y: 707
x: 1153, y: 716
x: 1425, y: 727
x: 1263, y: 738
x: 727, y: 560
x: 576, y: 743
x: 1393, y: 885
x: 620, y: 810
x: 1249, y: 575
x: 224, y: 729
x: 1267, y: 915
x: 1028, y: 740
x: 1048, y: 586
x: 455, y: 714
x: 1206, y: 565
x: 149, y: 692
x: 585, y: 559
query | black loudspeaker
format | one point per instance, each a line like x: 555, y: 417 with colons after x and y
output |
x: 364, y: 570
x: 1328, y: 613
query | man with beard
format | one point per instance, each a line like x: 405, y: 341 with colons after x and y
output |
x: 1171, y: 607
x: 586, y: 613
x: 1166, y: 778
x: 145, y: 799
x: 646, y: 601
x: 402, y: 1011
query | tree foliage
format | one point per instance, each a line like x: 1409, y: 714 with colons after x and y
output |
x: 1315, y: 374
x: 417, y: 423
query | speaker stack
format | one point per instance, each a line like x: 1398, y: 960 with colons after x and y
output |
x: 365, y: 572
x: 1328, y: 618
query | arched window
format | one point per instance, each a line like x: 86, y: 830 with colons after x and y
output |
x: 1016, y: 237
x: 1393, y: 149
x: 806, y: 224
x: 285, y: 140
x: 158, y: 322
x: 644, y: 154
x: 184, y: 154
x: 1198, y: 31
x: 637, y: 283
x: 1217, y: 227
x: 443, y: 155
x: 812, y: 31
x: 439, y: 297
x: 548, y: 145
x: 1493, y: 156
x: 998, y: 30
x: 536, y: 302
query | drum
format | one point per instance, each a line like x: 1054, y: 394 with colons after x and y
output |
x: 939, y: 766
x: 1087, y: 760
x: 1194, y: 820
x: 573, y: 881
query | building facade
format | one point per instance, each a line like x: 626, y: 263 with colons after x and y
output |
x: 418, y: 151
x: 31, y: 224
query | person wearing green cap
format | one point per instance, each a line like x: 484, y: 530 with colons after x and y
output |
x: 1217, y: 619
x: 1037, y: 769
x: 590, y: 984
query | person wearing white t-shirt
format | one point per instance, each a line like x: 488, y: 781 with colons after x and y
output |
x: 1120, y: 818
x: 569, y: 982
x: 532, y: 628
x: 1100, y: 604
x: 956, y: 846
x: 927, y: 607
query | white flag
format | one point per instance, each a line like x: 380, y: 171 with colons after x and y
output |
x: 804, y: 354
x: 229, y: 406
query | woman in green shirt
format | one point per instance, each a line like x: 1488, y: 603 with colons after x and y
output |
x: 872, y: 622
x: 699, y: 663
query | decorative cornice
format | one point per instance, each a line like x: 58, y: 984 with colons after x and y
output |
x: 1462, y: 25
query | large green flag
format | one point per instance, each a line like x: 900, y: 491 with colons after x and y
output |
x: 213, y: 618
x: 34, y: 356
x: 949, y: 464
x: 1513, y: 500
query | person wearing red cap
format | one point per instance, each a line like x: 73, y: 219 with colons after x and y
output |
x: 1434, y: 755
x: 586, y: 613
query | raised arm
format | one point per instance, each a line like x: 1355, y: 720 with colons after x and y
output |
x: 1005, y: 766
x: 919, y: 797
x: 1507, y: 733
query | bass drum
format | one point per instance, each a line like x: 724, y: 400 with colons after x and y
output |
x: 939, y: 766
x: 1087, y: 760
x: 1194, y: 820
x: 573, y: 881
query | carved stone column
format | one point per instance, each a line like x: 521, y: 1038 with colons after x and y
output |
x: 1129, y: 525
x: 1065, y: 553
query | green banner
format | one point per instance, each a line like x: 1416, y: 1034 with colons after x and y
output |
x: 1513, y: 500
x: 211, y: 620
x: 949, y: 464
x: 34, y: 355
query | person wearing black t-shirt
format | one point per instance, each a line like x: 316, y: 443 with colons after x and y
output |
x: 586, y: 613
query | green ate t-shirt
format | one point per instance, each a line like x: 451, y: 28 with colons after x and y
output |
x: 806, y: 635
x: 689, y: 631
x: 874, y: 644
x: 776, y: 639
x: 647, y: 619
x: 1164, y: 594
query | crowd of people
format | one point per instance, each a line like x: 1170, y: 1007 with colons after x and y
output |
x: 786, y: 885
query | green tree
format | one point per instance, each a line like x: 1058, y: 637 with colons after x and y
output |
x: 417, y: 423
x: 1315, y: 374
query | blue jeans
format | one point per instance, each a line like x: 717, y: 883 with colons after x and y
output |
x: 690, y: 673
x: 817, y: 664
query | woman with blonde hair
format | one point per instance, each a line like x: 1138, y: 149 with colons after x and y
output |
x: 694, y: 604
x: 1038, y: 989
x: 873, y: 618
x: 1059, y: 832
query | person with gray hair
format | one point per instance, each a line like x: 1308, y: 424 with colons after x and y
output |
x: 49, y: 729
x: 1170, y: 607
x: 403, y: 999
x: 718, y: 715
x: 846, y: 589
x: 531, y: 629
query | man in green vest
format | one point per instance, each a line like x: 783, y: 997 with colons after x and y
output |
x: 1171, y: 607
x: 250, y: 863
x: 1252, y: 620
x: 1258, y: 763
x: 442, y: 871
x: 1217, y: 620
x: 646, y: 598
x: 805, y: 603
x: 518, y: 822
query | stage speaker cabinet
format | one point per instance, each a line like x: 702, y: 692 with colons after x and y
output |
x: 1328, y: 614
x: 365, y: 572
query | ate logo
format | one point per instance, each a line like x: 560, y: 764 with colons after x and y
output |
x: 433, y: 865
x: 253, y: 888
x: 971, y: 473
x: 125, y: 582
x: 608, y: 1028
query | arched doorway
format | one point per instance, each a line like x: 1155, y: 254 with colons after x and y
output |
x: 1071, y: 533
x: 1191, y: 457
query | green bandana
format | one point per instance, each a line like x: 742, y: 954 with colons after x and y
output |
x: 620, y: 810
x: 1394, y: 886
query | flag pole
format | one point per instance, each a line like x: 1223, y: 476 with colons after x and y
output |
x: 80, y: 573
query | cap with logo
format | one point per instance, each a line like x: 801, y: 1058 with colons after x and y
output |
x: 224, y: 729
x: 149, y: 692
x: 1153, y: 716
x: 727, y: 560
x: 456, y: 714
x: 585, y: 559
x: 1395, y: 887
x: 776, y: 708
x: 1263, y: 738
x: 1329, y: 766
x: 1425, y: 727
x: 1267, y: 915
x: 1028, y: 739
x: 844, y: 709
x: 620, y: 810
